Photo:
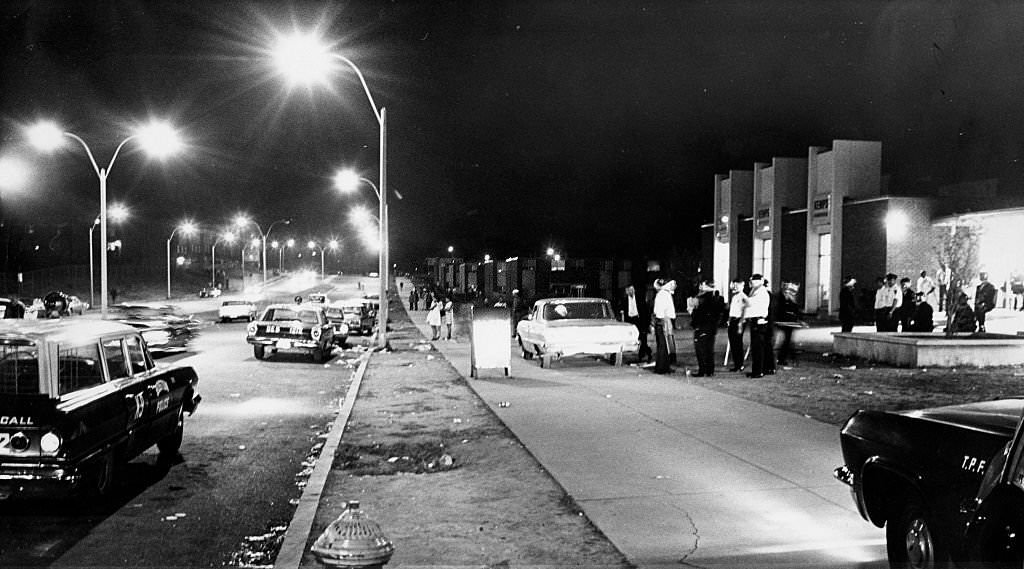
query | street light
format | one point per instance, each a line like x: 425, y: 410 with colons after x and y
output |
x: 242, y: 221
x: 186, y: 228
x: 226, y: 237
x: 157, y: 138
x: 304, y: 59
x: 313, y: 246
x: 116, y: 212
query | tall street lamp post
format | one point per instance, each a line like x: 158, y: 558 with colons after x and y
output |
x: 242, y: 221
x: 227, y: 238
x: 304, y: 59
x: 157, y: 138
x: 186, y: 228
x: 117, y: 212
x: 313, y: 246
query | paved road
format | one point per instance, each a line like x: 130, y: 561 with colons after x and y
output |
x: 673, y: 473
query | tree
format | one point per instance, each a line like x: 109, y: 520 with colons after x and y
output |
x: 958, y: 249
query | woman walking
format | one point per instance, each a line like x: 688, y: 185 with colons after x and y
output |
x: 434, y: 319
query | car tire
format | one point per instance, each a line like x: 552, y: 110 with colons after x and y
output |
x: 616, y: 358
x: 318, y: 355
x: 258, y: 352
x: 224, y: 320
x: 102, y: 476
x: 545, y: 361
x: 171, y: 444
x: 527, y: 355
x: 910, y: 540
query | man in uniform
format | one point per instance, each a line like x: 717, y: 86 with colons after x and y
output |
x: 756, y: 314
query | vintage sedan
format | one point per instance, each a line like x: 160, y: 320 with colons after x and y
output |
x: 292, y: 327
x: 560, y: 327
x: 166, y: 328
x: 237, y: 310
x: 947, y: 483
x: 337, y: 319
x: 78, y: 399
x: 357, y: 314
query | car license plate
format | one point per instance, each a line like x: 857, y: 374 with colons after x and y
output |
x: 283, y: 344
x: 273, y: 329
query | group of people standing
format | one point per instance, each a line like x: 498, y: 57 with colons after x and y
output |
x: 751, y: 308
x: 440, y: 311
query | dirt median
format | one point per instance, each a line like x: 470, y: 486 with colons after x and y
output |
x: 446, y: 480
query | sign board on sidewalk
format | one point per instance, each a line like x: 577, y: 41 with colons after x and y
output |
x: 490, y: 348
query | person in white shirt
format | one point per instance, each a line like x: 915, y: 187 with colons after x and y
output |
x: 737, y: 307
x: 888, y: 298
x: 930, y: 292
x: 756, y: 315
x: 664, y: 313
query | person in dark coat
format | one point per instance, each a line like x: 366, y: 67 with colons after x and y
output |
x: 705, y: 319
x: 634, y: 310
x: 984, y: 300
x: 959, y: 316
x: 786, y: 317
x: 848, y: 305
x: 906, y: 309
x: 923, y: 318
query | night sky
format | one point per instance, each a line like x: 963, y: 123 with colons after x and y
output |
x: 592, y: 126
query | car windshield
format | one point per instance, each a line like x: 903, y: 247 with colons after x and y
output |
x: 288, y: 315
x: 19, y: 369
x: 137, y: 312
x: 334, y: 312
x: 577, y: 311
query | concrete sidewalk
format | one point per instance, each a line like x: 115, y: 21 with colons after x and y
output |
x: 674, y: 473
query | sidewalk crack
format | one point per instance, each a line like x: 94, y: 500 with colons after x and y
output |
x: 696, y: 542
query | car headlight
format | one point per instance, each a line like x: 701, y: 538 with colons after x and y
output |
x: 19, y: 442
x: 342, y: 328
x: 251, y: 328
x: 316, y: 332
x: 49, y: 443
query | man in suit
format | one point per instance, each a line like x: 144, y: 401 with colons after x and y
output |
x: 633, y: 309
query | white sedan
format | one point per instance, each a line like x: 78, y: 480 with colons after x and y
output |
x: 237, y: 310
x: 560, y: 327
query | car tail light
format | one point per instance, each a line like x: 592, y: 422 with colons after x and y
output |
x: 251, y: 328
x: 50, y: 443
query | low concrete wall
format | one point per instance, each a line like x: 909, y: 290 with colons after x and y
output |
x: 934, y: 349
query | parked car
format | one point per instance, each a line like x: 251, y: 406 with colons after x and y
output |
x: 166, y: 328
x: 357, y: 314
x: 292, y: 327
x: 317, y: 298
x: 12, y: 308
x: 947, y: 483
x: 236, y: 310
x: 560, y: 327
x: 336, y: 316
x: 77, y: 305
x: 79, y: 398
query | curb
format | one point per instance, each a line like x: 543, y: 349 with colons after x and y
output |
x: 294, y: 544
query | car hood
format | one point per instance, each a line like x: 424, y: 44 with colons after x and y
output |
x: 999, y: 416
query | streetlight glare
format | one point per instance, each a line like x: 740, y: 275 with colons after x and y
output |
x: 229, y: 237
x: 346, y: 180
x: 241, y: 220
x: 311, y: 245
x: 159, y: 139
x: 333, y: 244
x: 117, y: 212
x: 303, y: 59
x: 14, y: 173
x: 188, y: 227
x: 290, y: 243
x: 359, y: 215
x: 46, y: 135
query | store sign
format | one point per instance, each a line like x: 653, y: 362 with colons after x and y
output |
x: 820, y: 211
x: 763, y: 220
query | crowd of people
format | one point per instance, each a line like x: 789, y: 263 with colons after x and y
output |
x: 440, y: 311
x: 767, y: 319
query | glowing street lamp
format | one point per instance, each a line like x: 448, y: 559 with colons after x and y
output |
x: 158, y: 139
x: 226, y: 237
x: 314, y: 246
x: 304, y: 59
x: 242, y: 221
x: 186, y: 228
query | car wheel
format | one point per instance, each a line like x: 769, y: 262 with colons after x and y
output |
x: 527, y: 355
x: 545, y: 361
x: 318, y: 356
x: 909, y: 539
x: 616, y: 359
x: 101, y: 477
x: 169, y: 445
x: 258, y: 352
